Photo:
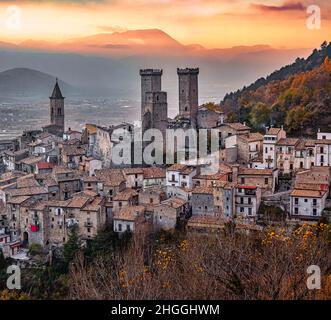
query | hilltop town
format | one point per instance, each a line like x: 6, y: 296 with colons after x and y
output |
x: 55, y: 179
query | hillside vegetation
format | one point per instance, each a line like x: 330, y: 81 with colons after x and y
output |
x: 297, y: 96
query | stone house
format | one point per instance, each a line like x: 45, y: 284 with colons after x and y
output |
x: 29, y: 164
x: 134, y: 177
x: 12, y: 159
x: 69, y: 181
x: 202, y: 201
x: 308, y: 203
x: 247, y: 202
x: 152, y: 196
x: 180, y: 175
x: 272, y: 136
x: 44, y: 167
x: 323, y: 152
x: 249, y: 146
x: 169, y: 212
x: 127, y: 197
x: 90, y: 165
x: 129, y: 218
x: 72, y: 135
x: 33, y: 223
x: 72, y: 156
x: 231, y: 129
x: 266, y: 179
x: 154, y: 176
x: 286, y: 151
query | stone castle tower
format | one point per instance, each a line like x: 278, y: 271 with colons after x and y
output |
x: 188, y: 93
x: 57, y: 108
x: 154, y: 113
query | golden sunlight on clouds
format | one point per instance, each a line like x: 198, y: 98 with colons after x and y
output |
x: 211, y: 23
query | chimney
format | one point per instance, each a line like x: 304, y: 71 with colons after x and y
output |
x: 235, y: 169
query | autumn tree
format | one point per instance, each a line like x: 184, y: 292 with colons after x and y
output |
x: 260, y: 115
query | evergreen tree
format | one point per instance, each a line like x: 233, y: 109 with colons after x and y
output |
x: 71, y: 247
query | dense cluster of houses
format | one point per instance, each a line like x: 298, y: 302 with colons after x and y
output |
x: 54, y: 181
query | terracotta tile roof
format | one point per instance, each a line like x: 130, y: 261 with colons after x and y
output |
x: 310, y: 143
x: 18, y: 200
x: 288, y: 142
x: 273, y: 131
x: 255, y: 136
x: 12, y: 175
x: 73, y: 150
x: 57, y: 203
x: 238, y: 126
x: 205, y: 221
x: 323, y: 141
x: 94, y: 205
x: 16, y: 153
x: 61, y: 170
x: 177, y: 167
x: 129, y: 171
x: 86, y: 193
x: 252, y: 171
x: 78, y: 202
x: 311, y: 186
x: 187, y: 170
x: 221, y: 184
x: 307, y: 193
x: 174, y: 202
x: 45, y: 165
x: 225, y: 168
x: 90, y: 179
x: 130, y: 213
x: 154, y: 173
x: 110, y: 177
x: 125, y: 195
x: 38, y: 205
x: 27, y: 191
x: 202, y: 190
x: 32, y: 160
x: 217, y: 176
x: 27, y: 183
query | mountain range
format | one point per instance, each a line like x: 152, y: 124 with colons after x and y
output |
x: 24, y: 82
x: 107, y: 64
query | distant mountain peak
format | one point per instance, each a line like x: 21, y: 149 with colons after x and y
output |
x: 22, y: 81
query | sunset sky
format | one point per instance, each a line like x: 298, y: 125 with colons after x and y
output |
x: 211, y: 23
